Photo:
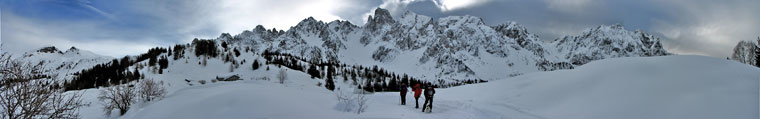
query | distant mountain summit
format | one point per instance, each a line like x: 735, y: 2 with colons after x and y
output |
x: 61, y: 64
x: 606, y: 42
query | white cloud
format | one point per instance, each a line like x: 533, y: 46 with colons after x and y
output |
x: 234, y: 16
x: 448, y: 5
x: 400, y: 6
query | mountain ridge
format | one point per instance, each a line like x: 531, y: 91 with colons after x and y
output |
x: 449, y: 48
x: 453, y: 45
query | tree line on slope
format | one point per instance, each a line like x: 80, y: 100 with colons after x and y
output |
x: 117, y: 71
x: 376, y: 79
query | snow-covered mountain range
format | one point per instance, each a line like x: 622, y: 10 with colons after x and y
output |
x: 454, y: 47
x: 63, y: 64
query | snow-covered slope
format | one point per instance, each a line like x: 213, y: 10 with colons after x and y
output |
x: 668, y: 87
x: 63, y: 64
x: 454, y: 47
x: 665, y: 87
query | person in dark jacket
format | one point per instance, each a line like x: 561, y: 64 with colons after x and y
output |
x: 429, y: 92
x: 403, y: 90
x: 417, y: 92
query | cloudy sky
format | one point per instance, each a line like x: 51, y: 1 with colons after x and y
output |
x: 129, y: 27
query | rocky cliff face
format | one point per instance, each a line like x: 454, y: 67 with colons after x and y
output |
x: 606, y: 42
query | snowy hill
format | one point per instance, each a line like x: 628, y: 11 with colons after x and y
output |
x: 666, y: 87
x: 63, y: 64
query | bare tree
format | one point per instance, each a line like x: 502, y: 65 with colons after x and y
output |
x: 282, y: 76
x: 344, y: 100
x: 27, y: 93
x: 361, y: 102
x: 118, y: 97
x: 151, y: 90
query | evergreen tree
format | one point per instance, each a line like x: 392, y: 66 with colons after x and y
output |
x: 237, y: 53
x: 405, y: 79
x: 313, y: 71
x: 163, y: 63
x: 345, y: 77
x: 205, y: 47
x: 757, y: 54
x: 378, y: 87
x: 368, y: 86
x: 137, y: 73
x: 329, y: 83
x: 393, y: 85
x: 255, y: 64
x: 224, y: 45
x: 152, y: 61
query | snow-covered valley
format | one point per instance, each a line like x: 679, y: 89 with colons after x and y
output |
x: 665, y: 87
x: 326, y: 70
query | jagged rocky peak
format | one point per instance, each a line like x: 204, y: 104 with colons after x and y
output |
x: 608, y: 41
x: 309, y: 24
x: 341, y: 23
x: 225, y: 37
x: 381, y: 16
x: 338, y: 25
x: 73, y: 49
x: 465, y: 20
x: 513, y: 30
x: 412, y: 19
x: 49, y: 49
x: 259, y: 28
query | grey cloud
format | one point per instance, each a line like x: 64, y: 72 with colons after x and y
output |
x: 702, y: 27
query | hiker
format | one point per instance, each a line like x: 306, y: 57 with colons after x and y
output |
x: 403, y: 90
x: 417, y: 91
x: 429, y: 92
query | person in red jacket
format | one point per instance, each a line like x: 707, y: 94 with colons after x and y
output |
x: 417, y: 91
